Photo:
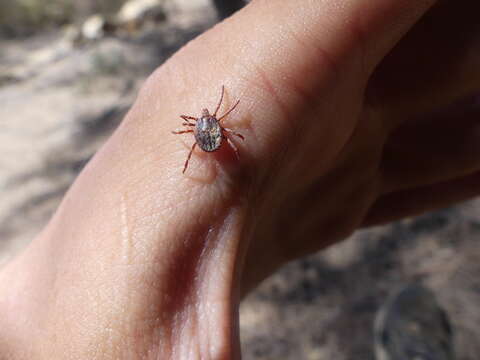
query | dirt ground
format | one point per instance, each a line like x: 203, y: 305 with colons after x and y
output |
x: 52, y: 120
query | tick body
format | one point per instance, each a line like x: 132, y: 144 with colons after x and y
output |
x: 208, y: 131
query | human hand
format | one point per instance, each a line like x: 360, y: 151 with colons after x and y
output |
x: 143, y: 261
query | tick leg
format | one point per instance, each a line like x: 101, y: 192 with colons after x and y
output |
x: 234, y: 133
x: 230, y: 142
x: 181, y: 131
x: 229, y: 111
x: 188, y: 158
x: 188, y: 124
x: 186, y: 118
x: 219, y: 103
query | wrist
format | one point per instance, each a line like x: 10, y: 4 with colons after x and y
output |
x: 137, y: 256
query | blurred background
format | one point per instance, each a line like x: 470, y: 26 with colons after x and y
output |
x: 70, y: 69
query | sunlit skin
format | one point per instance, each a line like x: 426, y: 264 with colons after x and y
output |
x: 342, y: 129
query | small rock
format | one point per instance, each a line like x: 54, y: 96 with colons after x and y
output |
x: 413, y: 326
x: 93, y: 27
x: 135, y: 12
x: 71, y: 34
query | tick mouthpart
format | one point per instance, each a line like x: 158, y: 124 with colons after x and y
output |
x: 205, y: 113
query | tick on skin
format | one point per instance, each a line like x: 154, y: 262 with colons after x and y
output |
x: 209, y: 133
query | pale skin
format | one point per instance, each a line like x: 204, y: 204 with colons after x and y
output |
x: 341, y: 131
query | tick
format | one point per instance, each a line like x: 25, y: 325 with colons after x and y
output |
x: 209, y: 133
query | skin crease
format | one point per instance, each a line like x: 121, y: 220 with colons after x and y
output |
x: 141, y: 261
